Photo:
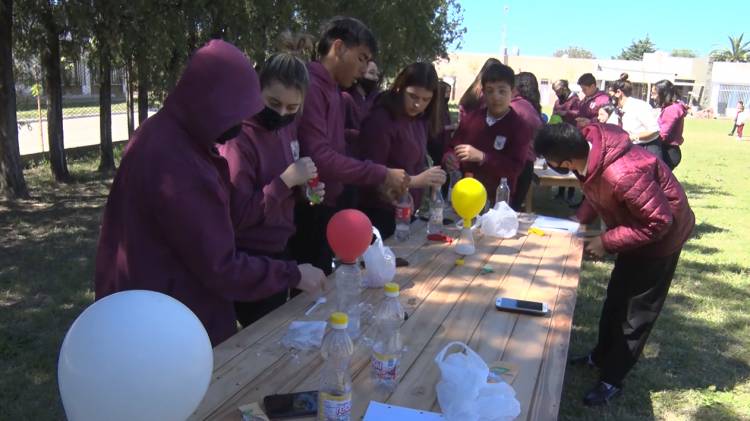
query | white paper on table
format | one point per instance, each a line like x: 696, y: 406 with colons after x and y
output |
x: 557, y: 224
x: 379, y: 411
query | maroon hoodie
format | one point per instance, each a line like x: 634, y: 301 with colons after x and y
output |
x: 531, y: 117
x: 167, y: 224
x: 589, y: 107
x: 644, y: 206
x: 321, y: 137
x: 672, y: 122
x: 570, y: 107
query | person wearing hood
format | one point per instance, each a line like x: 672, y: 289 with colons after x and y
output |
x: 167, y: 224
x: 395, y: 134
x: 648, y: 221
x: 594, y: 99
x: 344, y: 49
x: 268, y: 175
x: 671, y: 120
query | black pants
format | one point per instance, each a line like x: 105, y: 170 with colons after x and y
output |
x: 672, y: 156
x: 636, y: 292
x: 522, y: 186
x: 734, y: 127
x: 309, y: 244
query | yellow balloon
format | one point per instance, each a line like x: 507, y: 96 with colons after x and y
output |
x: 468, y: 199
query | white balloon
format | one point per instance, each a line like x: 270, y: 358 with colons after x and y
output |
x: 134, y: 355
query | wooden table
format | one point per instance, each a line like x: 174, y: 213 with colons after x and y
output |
x: 546, y: 177
x: 445, y: 302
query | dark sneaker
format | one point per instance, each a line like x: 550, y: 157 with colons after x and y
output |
x: 583, y: 361
x: 601, y: 394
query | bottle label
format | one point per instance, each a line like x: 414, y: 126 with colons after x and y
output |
x: 334, y: 407
x: 384, y: 366
x: 403, y: 212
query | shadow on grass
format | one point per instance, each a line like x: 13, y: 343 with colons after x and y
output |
x: 698, y: 191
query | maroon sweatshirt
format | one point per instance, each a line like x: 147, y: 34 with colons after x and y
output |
x: 531, y: 117
x: 262, y: 205
x: 570, y: 107
x: 505, y: 144
x: 167, y: 224
x: 671, y: 123
x: 589, y: 107
x: 321, y: 137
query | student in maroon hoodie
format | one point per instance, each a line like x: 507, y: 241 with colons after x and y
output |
x: 266, y: 175
x: 671, y: 120
x: 648, y: 219
x: 588, y: 108
x: 358, y: 100
x: 395, y: 134
x: 526, y: 103
x: 344, y: 49
x: 492, y: 142
x: 567, y: 103
x: 167, y: 224
x: 472, y: 98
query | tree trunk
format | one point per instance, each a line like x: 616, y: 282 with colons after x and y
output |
x: 107, y: 160
x: 142, y: 90
x: 129, y: 97
x: 12, y: 183
x: 53, y: 80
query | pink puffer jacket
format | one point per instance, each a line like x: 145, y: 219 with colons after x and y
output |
x: 637, y: 196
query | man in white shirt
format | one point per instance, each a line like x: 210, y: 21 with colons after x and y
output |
x: 638, y: 118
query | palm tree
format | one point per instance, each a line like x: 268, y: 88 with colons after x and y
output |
x: 738, y: 51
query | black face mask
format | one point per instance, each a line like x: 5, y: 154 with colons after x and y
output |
x: 368, y: 85
x: 272, y: 120
x: 229, y: 134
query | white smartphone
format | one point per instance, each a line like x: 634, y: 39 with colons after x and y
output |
x: 521, y: 306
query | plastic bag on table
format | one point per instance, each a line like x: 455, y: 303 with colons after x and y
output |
x: 463, y: 391
x: 500, y: 221
x: 380, y: 263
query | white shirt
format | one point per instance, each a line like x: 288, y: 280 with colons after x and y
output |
x: 639, y: 117
x: 490, y: 120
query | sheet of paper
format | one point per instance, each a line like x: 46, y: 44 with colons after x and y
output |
x: 380, y: 411
x: 556, y: 224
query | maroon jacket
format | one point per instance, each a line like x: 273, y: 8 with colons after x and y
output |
x: 531, y: 117
x: 396, y: 142
x: 644, y: 206
x: 167, y: 224
x: 570, y: 107
x: 671, y: 123
x: 505, y: 144
x: 321, y: 137
x: 262, y: 205
x: 589, y: 107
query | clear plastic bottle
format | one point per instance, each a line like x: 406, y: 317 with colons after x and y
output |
x: 435, y: 225
x: 403, y: 216
x: 465, y: 243
x: 335, y: 392
x: 348, y: 279
x: 503, y: 192
x: 387, y: 349
x: 312, y: 196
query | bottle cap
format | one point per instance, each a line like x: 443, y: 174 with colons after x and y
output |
x: 391, y: 289
x: 339, y: 320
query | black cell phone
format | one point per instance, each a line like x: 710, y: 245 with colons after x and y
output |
x: 521, y: 306
x: 290, y: 405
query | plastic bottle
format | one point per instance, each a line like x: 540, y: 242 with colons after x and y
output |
x: 435, y: 224
x: 503, y: 192
x: 335, y: 391
x: 312, y: 196
x: 403, y: 216
x: 465, y: 243
x: 387, y: 349
x: 348, y: 279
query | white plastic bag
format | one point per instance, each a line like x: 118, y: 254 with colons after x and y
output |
x: 463, y: 391
x: 380, y: 263
x: 500, y: 221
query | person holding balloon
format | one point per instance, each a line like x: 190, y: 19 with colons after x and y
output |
x: 492, y: 142
x: 395, y: 135
x: 167, y: 224
x: 267, y: 172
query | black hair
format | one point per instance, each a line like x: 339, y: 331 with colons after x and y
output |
x: 349, y: 30
x: 498, y: 72
x: 422, y: 75
x: 666, y: 94
x: 740, y: 102
x: 470, y: 99
x: 608, y: 108
x: 623, y: 84
x: 560, y: 142
x: 586, y: 79
x: 528, y: 88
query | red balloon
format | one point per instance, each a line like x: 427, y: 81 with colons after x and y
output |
x: 349, y: 234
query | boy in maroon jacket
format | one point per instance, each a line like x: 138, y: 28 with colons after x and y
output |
x: 648, y: 219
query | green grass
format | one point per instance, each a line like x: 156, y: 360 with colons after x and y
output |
x: 696, y: 365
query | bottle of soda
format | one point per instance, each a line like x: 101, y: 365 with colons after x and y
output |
x: 387, y: 349
x: 312, y: 196
x: 348, y: 280
x: 403, y: 216
x: 503, y: 192
x: 335, y: 392
x: 435, y: 225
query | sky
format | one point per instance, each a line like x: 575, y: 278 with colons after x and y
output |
x: 540, y: 27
